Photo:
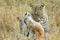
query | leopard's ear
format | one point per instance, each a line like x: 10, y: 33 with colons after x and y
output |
x: 31, y: 5
x: 41, y: 7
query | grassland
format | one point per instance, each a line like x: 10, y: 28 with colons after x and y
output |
x: 11, y: 9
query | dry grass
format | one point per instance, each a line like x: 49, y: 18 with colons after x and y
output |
x: 11, y: 9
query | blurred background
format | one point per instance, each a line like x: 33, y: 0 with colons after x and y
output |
x: 11, y: 9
